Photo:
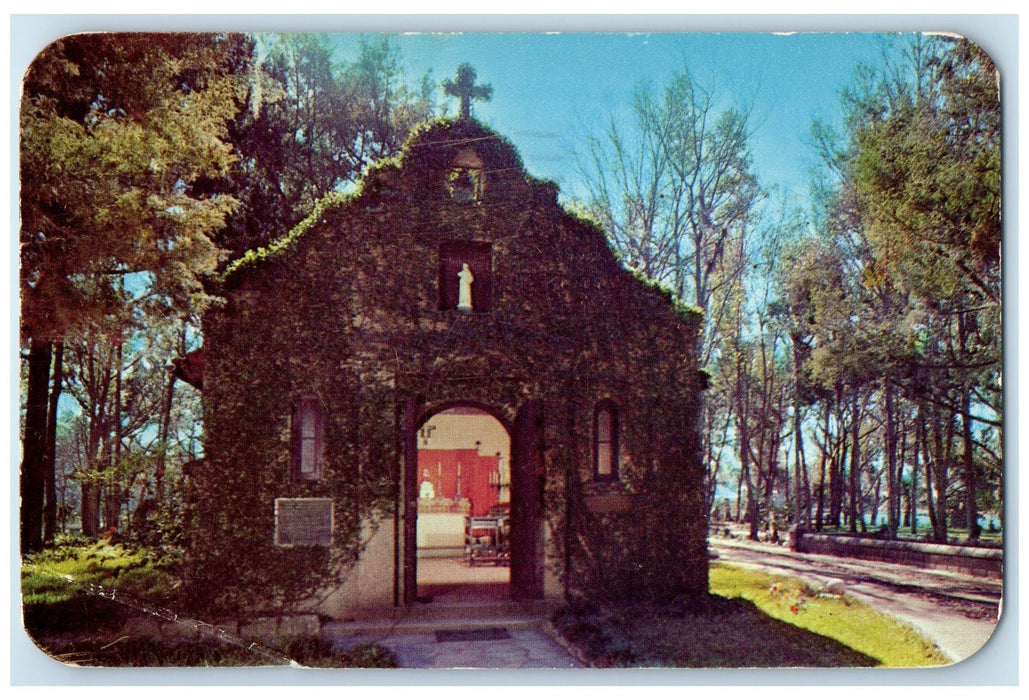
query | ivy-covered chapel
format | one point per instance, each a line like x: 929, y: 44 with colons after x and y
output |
x: 448, y: 278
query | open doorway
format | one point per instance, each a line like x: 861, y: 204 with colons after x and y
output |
x: 464, y: 501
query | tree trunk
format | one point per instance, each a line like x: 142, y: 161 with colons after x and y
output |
x: 873, y: 512
x: 744, y: 432
x: 739, y: 496
x: 936, y: 481
x: 836, y: 469
x: 820, y: 510
x: 34, y: 446
x: 752, y: 495
x: 902, y: 442
x: 968, y: 460
x: 971, y: 512
x: 50, y: 462
x: 97, y: 453
x: 837, y: 474
x: 892, y: 479
x: 806, y: 483
x: 90, y: 509
x: 930, y: 497
x: 855, y: 461
x: 798, y: 467
x: 165, y: 429
x: 916, y: 454
x: 113, y: 497
x: 944, y: 477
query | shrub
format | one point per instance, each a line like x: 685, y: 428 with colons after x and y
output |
x: 596, y: 633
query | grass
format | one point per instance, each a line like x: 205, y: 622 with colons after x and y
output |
x: 60, y: 574
x: 752, y: 620
x: 67, y: 617
x: 853, y: 624
x: 126, y: 652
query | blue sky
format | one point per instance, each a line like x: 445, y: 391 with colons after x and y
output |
x: 552, y: 90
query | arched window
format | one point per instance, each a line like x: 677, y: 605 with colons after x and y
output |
x: 605, y: 442
x: 465, y: 178
x: 308, y: 439
x: 465, y: 185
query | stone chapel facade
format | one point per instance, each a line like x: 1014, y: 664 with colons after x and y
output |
x: 450, y: 278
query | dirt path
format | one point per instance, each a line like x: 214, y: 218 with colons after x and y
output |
x: 956, y: 611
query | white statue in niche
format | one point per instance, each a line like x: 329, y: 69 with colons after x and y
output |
x: 464, y: 288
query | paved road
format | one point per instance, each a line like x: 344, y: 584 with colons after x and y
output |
x: 956, y: 611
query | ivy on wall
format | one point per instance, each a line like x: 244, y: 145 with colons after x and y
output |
x: 346, y: 307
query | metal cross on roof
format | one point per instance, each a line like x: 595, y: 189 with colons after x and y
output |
x: 463, y: 87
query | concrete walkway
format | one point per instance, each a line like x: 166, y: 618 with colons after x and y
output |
x: 467, y: 622
x: 523, y: 648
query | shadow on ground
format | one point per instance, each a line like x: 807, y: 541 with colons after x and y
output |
x: 723, y: 633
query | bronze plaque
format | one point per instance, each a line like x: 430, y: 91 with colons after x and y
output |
x: 303, y: 521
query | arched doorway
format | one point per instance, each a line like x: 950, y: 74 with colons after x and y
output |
x: 464, y: 506
x: 447, y: 515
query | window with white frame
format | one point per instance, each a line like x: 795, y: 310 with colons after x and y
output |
x: 605, y: 442
x: 308, y: 437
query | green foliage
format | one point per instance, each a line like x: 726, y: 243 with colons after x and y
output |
x: 324, y: 320
x: 78, y: 596
x: 143, y: 652
x: 894, y: 306
x: 320, y: 653
x: 135, y: 652
x: 372, y: 184
x: 926, y: 203
x: 928, y: 177
x: 368, y: 656
x: 288, y: 243
x: 63, y: 572
x: 431, y: 147
x: 114, y: 128
x: 596, y: 634
x: 308, y: 125
x: 188, y: 143
x: 851, y: 623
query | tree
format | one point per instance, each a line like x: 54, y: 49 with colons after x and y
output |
x: 128, y: 424
x: 675, y: 193
x: 927, y: 175
x: 114, y: 130
x: 307, y: 125
x: 202, y: 148
x: 675, y: 190
x: 912, y: 207
x: 632, y: 194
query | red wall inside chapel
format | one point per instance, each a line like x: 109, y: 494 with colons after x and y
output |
x: 441, y: 468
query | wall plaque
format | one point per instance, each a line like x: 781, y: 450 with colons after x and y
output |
x: 303, y: 521
x: 609, y: 503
